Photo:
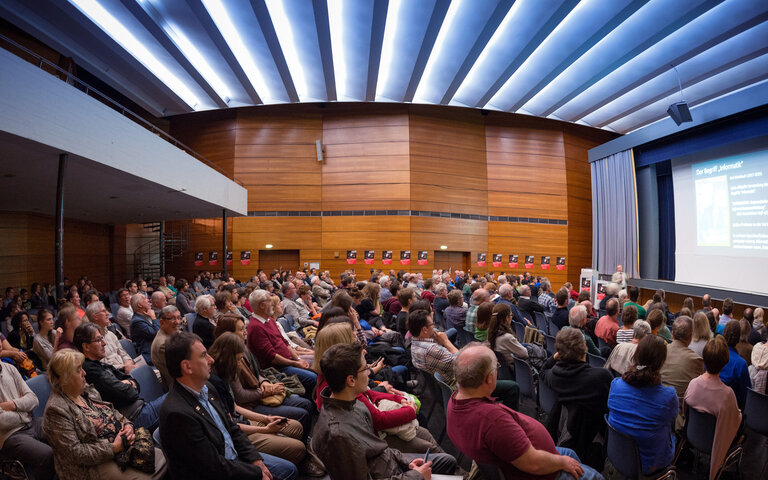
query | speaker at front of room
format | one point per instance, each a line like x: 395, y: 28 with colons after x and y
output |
x: 680, y: 112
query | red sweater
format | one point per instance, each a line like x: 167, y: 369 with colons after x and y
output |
x: 381, y: 420
x: 265, y: 341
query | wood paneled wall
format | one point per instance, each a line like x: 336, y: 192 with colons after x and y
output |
x: 399, y: 157
x: 27, y: 251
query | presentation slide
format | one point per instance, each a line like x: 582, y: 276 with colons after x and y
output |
x: 721, y: 216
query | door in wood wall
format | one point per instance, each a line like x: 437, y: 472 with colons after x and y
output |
x: 452, y: 260
x: 278, y: 260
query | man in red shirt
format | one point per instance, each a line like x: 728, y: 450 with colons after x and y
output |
x: 608, y: 324
x: 268, y: 345
x: 489, y: 432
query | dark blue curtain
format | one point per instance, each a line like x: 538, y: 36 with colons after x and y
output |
x: 666, y: 193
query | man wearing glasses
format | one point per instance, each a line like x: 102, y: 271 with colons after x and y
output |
x: 113, y: 385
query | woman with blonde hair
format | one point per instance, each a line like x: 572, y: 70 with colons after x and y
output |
x: 85, y: 433
x: 701, y: 333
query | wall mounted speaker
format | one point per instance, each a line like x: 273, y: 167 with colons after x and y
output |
x: 680, y: 112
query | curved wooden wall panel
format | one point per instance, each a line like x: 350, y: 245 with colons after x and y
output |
x: 523, y: 181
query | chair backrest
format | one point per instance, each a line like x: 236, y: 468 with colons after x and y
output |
x: 519, y: 331
x: 547, y: 397
x: 190, y: 318
x: 150, y: 388
x: 114, y: 307
x: 156, y: 437
x: 755, y: 412
x: 505, y: 372
x: 595, y: 361
x: 700, y: 429
x: 440, y: 320
x: 527, y: 315
x: 287, y: 322
x: 445, y: 390
x: 541, y: 322
x: 622, y: 451
x: 129, y: 348
x: 42, y: 390
x: 431, y: 383
x: 550, y: 344
x: 601, y: 343
x: 524, y: 378
x: 551, y: 327
x: 490, y: 471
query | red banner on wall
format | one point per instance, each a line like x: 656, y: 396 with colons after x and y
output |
x: 421, y: 259
x: 198, y: 259
x: 213, y: 258
x: 544, y: 262
x: 405, y: 257
x: 560, y: 263
x: 529, y: 261
x: 351, y: 257
x: 513, y: 261
x: 386, y: 257
x: 245, y: 257
x: 480, y: 259
x: 369, y: 256
x: 497, y: 260
x: 229, y: 258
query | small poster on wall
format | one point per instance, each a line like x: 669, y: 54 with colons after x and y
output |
x: 229, y: 258
x: 198, y: 259
x: 513, y: 261
x: 213, y: 258
x: 422, y: 258
x: 544, y: 262
x: 560, y: 263
x: 245, y: 257
x: 369, y: 257
x: 529, y: 261
x: 351, y: 257
x: 480, y: 259
x: 386, y: 257
x: 496, y: 260
x: 405, y: 257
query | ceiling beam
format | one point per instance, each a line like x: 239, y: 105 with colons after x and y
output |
x: 490, y: 28
x: 320, y: 7
x: 221, y: 44
x: 378, y: 24
x: 268, y: 30
x: 430, y: 37
x: 557, y: 16
x: 150, y: 18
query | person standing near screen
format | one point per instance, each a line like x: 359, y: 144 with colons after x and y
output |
x: 620, y: 277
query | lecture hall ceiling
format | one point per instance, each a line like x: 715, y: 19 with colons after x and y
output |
x: 604, y: 63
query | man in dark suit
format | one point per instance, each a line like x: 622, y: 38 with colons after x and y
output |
x: 526, y: 305
x: 199, y: 439
x: 144, y: 326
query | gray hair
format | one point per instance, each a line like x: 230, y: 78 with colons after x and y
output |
x: 525, y: 291
x: 577, y: 315
x: 640, y: 329
x: 169, y: 310
x: 383, y: 280
x: 258, y: 296
x: 546, y: 286
x: 93, y: 308
x: 157, y: 294
x: 505, y: 290
x: 203, y: 302
x: 612, y: 289
x: 570, y: 345
x: 135, y: 299
x: 440, y: 288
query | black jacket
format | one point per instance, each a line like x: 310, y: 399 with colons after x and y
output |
x: 203, y: 328
x: 529, y: 306
x: 193, y: 444
x: 109, y: 382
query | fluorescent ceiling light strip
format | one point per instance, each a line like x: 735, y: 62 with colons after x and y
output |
x: 386, y: 63
x: 198, y: 61
x: 223, y: 22
x: 285, y: 36
x: 435, y: 56
x: 336, y: 24
x: 112, y: 27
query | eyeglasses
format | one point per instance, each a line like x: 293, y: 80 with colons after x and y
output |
x: 368, y: 369
x: 98, y: 339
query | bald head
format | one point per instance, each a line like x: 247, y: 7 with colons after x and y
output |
x: 158, y: 299
x: 472, y: 366
x: 481, y: 295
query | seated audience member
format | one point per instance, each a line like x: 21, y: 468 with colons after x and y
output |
x: 628, y: 317
x: 68, y: 320
x: 441, y: 303
x: 124, y: 313
x: 641, y: 407
x: 200, y: 439
x: 577, y: 318
x: 320, y: 294
x: 114, y: 386
x: 44, y: 339
x: 293, y: 338
x: 21, y: 434
x: 86, y: 433
x: 492, y: 433
x: 744, y: 347
x: 455, y: 313
x: 205, y: 319
x: 249, y: 387
x: 758, y: 371
x: 682, y: 364
x: 621, y: 356
x: 725, y: 317
x: 525, y: 304
x: 341, y: 299
x: 634, y: 294
x: 759, y: 331
x: 170, y: 324
x: 708, y: 394
x: 701, y: 333
x: 22, y: 335
x: 184, y: 298
x: 431, y: 351
x: 560, y: 316
x: 579, y: 387
x: 501, y: 337
x: 547, y: 298
x: 484, y: 312
x: 658, y: 322
x: 608, y: 324
x: 406, y: 296
x: 164, y: 288
x: 114, y: 353
x: 268, y: 345
x: 73, y: 297
x: 262, y: 430
x: 403, y: 417
x: 479, y: 297
x: 294, y: 308
x: 345, y: 425
x: 157, y: 301
x: 144, y: 326
x: 735, y: 374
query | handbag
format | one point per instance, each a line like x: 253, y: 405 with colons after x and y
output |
x: 292, y: 383
x: 140, y: 455
x: 274, y: 400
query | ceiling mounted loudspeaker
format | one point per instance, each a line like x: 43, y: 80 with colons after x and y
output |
x: 319, y: 146
x: 680, y: 112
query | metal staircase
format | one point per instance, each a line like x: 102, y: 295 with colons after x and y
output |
x: 150, y: 258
